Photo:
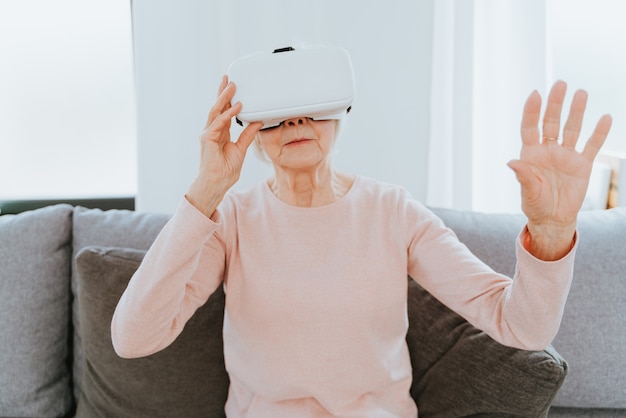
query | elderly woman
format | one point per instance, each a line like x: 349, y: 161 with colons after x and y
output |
x: 314, y: 263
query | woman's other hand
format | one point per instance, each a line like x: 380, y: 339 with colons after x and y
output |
x: 220, y: 158
x: 553, y: 175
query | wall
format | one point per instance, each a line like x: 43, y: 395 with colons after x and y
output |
x: 182, y: 48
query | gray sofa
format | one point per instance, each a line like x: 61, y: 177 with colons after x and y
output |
x: 63, y: 268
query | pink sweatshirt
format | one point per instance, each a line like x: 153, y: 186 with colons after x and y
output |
x: 316, y: 298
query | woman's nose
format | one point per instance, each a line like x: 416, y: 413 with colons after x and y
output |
x: 296, y: 121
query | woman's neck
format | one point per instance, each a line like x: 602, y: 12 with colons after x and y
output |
x: 310, y: 188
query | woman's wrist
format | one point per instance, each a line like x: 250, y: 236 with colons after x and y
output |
x: 205, y: 196
x: 549, y: 242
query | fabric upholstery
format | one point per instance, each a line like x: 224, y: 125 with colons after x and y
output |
x: 560, y: 412
x: 187, y: 379
x: 591, y: 336
x: 34, y: 312
x: 117, y: 228
x: 458, y: 370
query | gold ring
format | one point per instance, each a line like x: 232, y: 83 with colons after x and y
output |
x: 550, y: 138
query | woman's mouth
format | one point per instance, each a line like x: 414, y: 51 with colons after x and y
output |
x: 298, y: 141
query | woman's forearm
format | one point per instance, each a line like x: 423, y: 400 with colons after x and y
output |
x: 181, y: 270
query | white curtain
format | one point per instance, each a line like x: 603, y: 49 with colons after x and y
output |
x: 450, y: 147
x: 488, y: 56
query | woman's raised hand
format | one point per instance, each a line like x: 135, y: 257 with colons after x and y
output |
x: 553, y: 175
x: 221, y: 159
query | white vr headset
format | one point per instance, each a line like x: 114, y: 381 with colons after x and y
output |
x: 313, y: 82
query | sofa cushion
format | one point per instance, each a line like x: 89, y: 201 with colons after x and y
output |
x: 112, y: 228
x: 459, y: 370
x: 34, y: 312
x: 187, y: 379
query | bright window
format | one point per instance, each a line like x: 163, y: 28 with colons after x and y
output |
x: 67, y: 106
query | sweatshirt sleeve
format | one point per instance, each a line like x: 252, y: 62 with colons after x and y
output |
x: 523, y: 312
x: 181, y: 270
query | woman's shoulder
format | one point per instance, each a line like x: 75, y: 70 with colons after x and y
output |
x: 393, y: 197
x: 380, y: 189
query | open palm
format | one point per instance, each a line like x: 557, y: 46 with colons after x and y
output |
x: 553, y: 175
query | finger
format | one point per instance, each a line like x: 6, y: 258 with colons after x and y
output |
x: 226, y: 117
x: 221, y: 124
x: 524, y: 173
x: 247, y: 136
x: 593, y: 145
x: 571, y: 131
x: 222, y: 103
x: 552, y: 115
x: 223, y: 100
x: 530, y: 119
x: 528, y: 180
x: 223, y: 84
